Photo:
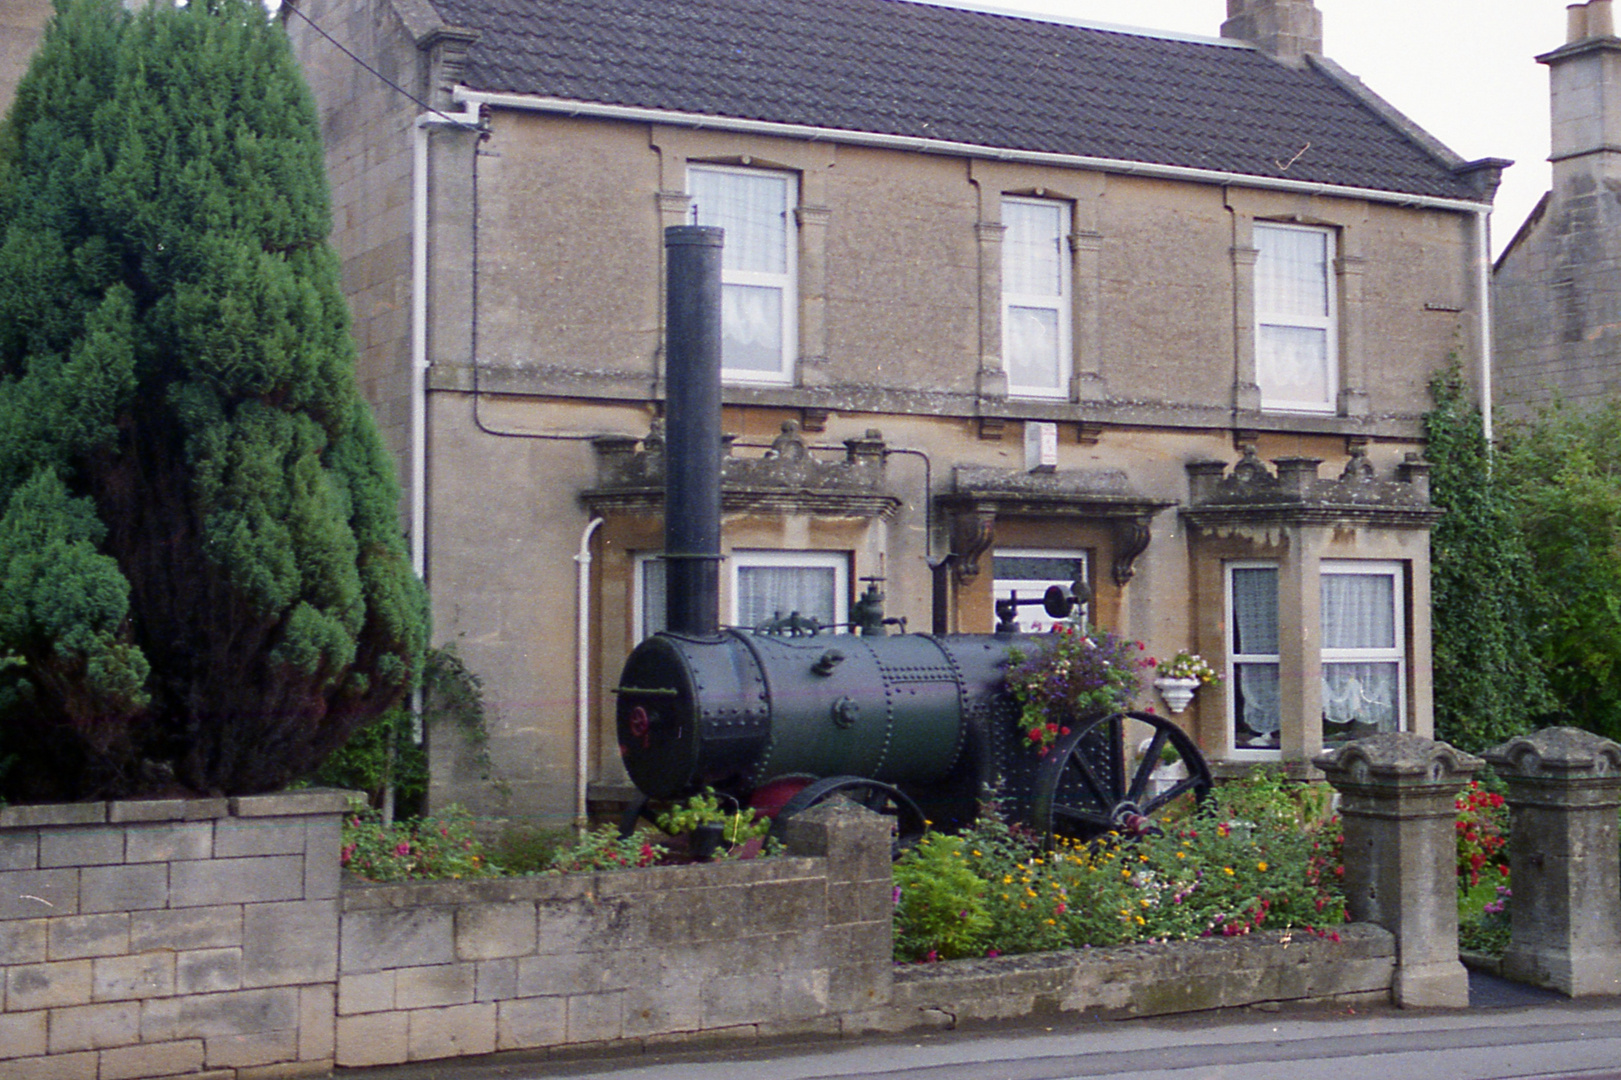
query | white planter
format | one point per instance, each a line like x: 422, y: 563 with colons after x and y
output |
x: 1176, y: 692
x: 1166, y: 777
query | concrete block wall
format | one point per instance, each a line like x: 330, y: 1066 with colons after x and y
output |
x: 751, y: 949
x: 169, y: 937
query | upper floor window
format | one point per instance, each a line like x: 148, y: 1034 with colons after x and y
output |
x: 1296, y: 340
x: 1036, y: 297
x: 1364, y: 650
x: 759, y: 325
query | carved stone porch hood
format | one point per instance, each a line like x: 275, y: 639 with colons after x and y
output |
x: 787, y: 479
x: 1295, y: 495
x: 981, y: 495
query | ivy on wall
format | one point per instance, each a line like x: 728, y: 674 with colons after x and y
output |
x: 1491, y: 677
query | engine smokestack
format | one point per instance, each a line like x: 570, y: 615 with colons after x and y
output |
x: 692, y: 430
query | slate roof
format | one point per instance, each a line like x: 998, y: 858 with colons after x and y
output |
x: 900, y: 68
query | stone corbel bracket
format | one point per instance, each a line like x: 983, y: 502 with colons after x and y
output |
x: 982, y: 495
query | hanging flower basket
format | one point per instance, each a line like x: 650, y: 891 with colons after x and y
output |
x: 1176, y: 692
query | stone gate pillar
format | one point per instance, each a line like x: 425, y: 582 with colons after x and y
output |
x: 1398, y: 797
x: 1564, y: 786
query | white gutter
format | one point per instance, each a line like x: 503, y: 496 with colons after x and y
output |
x: 476, y: 98
x: 1483, y: 239
x: 419, y: 326
x: 582, y: 660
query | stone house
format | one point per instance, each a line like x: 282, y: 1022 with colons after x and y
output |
x: 1007, y: 302
x: 1556, y: 290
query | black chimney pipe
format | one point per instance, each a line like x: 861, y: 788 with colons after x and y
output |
x: 692, y: 453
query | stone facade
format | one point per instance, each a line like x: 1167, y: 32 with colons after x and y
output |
x: 1556, y: 301
x: 541, y: 336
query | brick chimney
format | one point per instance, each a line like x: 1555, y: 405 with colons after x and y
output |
x: 1585, y: 78
x: 1287, y: 30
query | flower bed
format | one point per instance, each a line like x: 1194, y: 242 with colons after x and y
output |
x: 1258, y: 859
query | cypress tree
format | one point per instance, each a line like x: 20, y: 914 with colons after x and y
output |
x: 203, y: 586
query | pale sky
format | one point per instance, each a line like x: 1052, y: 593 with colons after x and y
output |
x: 1464, y: 70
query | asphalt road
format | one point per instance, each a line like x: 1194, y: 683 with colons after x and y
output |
x: 1510, y: 1034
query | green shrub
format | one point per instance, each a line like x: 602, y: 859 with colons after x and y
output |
x: 441, y: 847
x: 939, y: 902
x: 605, y: 849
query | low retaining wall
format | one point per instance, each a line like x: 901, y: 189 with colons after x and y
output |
x: 768, y: 946
x: 212, y: 939
x: 142, y: 939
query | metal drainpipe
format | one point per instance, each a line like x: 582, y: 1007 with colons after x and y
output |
x: 582, y: 686
x: 1483, y: 241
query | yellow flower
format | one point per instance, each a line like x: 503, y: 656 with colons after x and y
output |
x: 976, y: 854
x: 1145, y: 902
x: 1052, y: 922
x: 1181, y: 854
x: 1227, y: 870
x: 1140, y: 920
x: 1261, y: 866
x: 1007, y: 879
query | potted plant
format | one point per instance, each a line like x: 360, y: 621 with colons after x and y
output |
x: 1178, y: 678
x: 1076, y: 672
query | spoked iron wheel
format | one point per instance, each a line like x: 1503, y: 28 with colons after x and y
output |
x: 1087, y: 785
x: 880, y: 798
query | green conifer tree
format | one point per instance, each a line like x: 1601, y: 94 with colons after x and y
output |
x: 203, y: 584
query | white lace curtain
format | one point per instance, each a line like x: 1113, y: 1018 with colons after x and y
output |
x: 1255, y: 633
x: 764, y: 592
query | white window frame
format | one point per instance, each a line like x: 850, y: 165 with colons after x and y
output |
x: 1033, y: 619
x: 786, y: 282
x: 1062, y: 304
x: 641, y: 561
x: 839, y: 561
x: 1236, y: 658
x: 1396, y: 652
x: 1328, y: 322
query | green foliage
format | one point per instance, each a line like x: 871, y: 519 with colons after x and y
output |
x: 1564, y: 473
x: 441, y: 847
x: 1489, y: 681
x: 206, y: 585
x: 381, y: 753
x: 939, y: 902
x: 738, y: 823
x: 1265, y: 856
x: 388, y: 750
x: 530, y: 849
x: 605, y: 849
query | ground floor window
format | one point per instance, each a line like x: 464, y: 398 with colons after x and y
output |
x: 1029, y: 572
x: 1364, y: 650
x: 1253, y: 704
x: 764, y: 586
x: 772, y: 585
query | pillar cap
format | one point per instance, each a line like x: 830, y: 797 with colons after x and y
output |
x: 1558, y: 751
x: 1397, y: 757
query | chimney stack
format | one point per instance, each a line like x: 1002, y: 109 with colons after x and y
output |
x: 1287, y: 30
x: 1585, y: 81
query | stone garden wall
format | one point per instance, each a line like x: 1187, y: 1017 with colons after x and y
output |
x: 142, y: 939
x: 213, y: 939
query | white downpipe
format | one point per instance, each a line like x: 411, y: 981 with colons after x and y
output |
x: 1483, y: 241
x: 566, y: 107
x: 419, y: 324
x: 582, y: 672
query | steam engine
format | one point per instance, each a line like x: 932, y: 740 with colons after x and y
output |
x: 916, y: 725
